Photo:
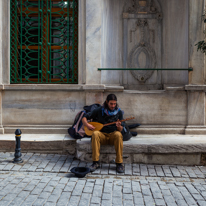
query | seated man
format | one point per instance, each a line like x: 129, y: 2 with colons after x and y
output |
x: 109, y: 112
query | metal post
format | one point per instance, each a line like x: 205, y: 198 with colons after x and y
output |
x: 17, y: 154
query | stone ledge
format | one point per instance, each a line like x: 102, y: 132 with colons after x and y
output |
x: 44, y: 87
x: 144, y: 92
x: 42, y: 143
x: 151, y: 149
x: 94, y: 87
x: 114, y: 88
x: 60, y: 87
x: 180, y: 88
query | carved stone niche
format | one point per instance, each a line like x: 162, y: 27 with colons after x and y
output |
x: 142, y: 41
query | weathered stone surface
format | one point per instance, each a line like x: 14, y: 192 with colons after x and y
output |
x: 154, y: 107
x: 151, y: 149
x: 41, y: 107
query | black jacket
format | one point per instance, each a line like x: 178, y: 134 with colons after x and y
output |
x: 98, y: 115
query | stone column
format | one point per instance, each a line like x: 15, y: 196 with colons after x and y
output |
x: 93, y: 40
x: 4, y: 42
x: 1, y: 126
x: 196, y: 87
x: 2, y: 72
x: 1, y: 18
x: 196, y: 27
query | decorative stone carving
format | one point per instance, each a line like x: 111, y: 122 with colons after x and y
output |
x: 143, y: 44
x: 150, y: 61
x: 142, y: 6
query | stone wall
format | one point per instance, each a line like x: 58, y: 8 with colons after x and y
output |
x: 163, y: 101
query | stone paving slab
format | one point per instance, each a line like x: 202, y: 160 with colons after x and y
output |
x: 141, y: 184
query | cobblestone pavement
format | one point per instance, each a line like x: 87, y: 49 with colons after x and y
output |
x: 45, y: 179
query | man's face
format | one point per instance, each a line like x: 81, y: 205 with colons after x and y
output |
x: 112, y: 104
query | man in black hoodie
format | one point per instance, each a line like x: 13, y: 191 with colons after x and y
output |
x: 109, y: 135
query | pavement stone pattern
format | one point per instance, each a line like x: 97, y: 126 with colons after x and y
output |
x: 45, y: 179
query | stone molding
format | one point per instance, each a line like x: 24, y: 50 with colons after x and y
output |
x: 195, y: 87
x: 94, y: 87
x: 63, y: 87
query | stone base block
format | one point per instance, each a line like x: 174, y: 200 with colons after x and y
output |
x: 104, y: 157
x: 1, y: 130
x: 195, y: 130
x: 169, y: 159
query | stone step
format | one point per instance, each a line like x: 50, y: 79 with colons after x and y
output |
x: 152, y: 149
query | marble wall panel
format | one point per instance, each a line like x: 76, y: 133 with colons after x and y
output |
x: 112, y: 34
x: 1, y: 126
x: 1, y: 43
x: 174, y: 52
x: 93, y: 40
x: 175, y: 40
x: 196, y: 108
x: 153, y: 108
x: 0, y: 109
x: 41, y: 107
x: 82, y: 43
x: 5, y: 41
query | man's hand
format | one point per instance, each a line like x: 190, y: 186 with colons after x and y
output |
x: 90, y: 127
x: 118, y: 124
x: 85, y: 123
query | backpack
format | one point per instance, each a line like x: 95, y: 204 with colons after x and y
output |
x: 76, y: 131
x: 126, y: 133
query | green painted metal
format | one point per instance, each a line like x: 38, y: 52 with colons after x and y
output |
x: 161, y: 69
x: 44, y: 41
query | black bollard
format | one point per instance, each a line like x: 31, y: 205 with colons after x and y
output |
x: 17, y: 154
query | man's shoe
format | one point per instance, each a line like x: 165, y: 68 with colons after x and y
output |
x: 120, y: 168
x: 94, y: 166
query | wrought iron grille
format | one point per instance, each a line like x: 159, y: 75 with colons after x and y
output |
x: 44, y: 41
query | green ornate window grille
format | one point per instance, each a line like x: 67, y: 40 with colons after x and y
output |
x: 44, y: 41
